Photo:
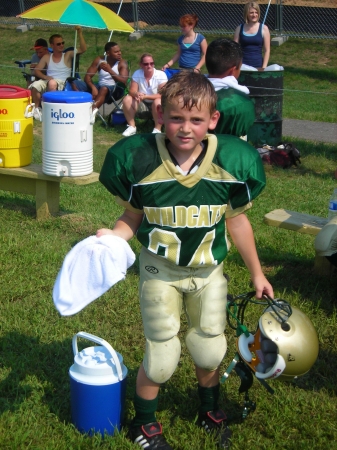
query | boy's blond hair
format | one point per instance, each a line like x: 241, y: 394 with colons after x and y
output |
x: 193, y: 88
x: 247, y: 7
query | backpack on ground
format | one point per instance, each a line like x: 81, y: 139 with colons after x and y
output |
x: 284, y: 155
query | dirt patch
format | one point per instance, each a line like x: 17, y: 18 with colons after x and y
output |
x: 323, y: 60
x: 140, y: 24
x: 107, y: 143
x: 37, y: 131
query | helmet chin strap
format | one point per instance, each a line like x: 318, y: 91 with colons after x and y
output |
x: 243, y: 363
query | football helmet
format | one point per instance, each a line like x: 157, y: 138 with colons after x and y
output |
x: 285, y: 345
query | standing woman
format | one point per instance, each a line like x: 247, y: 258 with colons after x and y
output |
x: 253, y: 37
x: 192, y: 46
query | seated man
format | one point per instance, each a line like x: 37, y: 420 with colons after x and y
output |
x: 53, y: 69
x: 237, y: 111
x: 143, y: 94
x: 41, y: 49
x: 111, y: 70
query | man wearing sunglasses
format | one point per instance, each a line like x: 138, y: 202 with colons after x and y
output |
x: 143, y: 94
x: 53, y: 69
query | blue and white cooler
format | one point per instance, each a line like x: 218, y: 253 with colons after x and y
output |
x: 67, y: 133
x: 97, y: 386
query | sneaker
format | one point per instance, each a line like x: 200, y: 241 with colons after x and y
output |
x: 130, y: 131
x: 216, y: 422
x: 149, y: 437
x: 37, y: 114
x: 155, y: 131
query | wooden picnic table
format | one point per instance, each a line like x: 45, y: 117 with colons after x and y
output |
x: 46, y: 188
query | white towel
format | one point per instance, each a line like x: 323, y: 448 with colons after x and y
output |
x: 89, y: 270
x: 228, y: 82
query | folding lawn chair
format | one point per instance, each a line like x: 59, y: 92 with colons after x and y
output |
x: 30, y: 77
x: 171, y: 72
x: 118, y: 103
x: 69, y: 80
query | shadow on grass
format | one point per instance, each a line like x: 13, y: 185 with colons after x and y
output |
x: 27, y: 207
x: 319, y: 74
x: 34, y: 362
x: 323, y: 374
x: 297, y: 275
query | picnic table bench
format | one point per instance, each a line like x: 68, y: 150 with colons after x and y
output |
x: 46, y: 188
x: 302, y: 223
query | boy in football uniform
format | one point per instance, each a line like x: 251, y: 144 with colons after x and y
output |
x: 181, y: 190
x: 237, y: 111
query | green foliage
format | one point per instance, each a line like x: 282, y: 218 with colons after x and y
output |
x: 35, y: 342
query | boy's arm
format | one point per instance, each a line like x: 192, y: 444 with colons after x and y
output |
x: 125, y: 227
x: 40, y: 71
x: 242, y: 235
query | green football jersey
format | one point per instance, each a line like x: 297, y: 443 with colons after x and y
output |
x: 184, y: 215
x: 237, y: 112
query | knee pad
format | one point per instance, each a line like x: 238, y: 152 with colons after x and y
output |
x: 161, y: 359
x: 207, y: 351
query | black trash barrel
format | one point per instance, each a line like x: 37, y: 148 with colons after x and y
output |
x: 266, y: 91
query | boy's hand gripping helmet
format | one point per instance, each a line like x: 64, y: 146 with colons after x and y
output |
x: 285, y: 345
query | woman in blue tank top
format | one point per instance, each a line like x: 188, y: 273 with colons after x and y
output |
x: 253, y: 37
x: 192, y: 46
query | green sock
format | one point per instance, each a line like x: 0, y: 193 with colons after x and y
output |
x: 209, y: 397
x: 145, y: 411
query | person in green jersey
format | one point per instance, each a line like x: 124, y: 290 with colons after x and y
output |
x: 181, y: 191
x: 237, y: 111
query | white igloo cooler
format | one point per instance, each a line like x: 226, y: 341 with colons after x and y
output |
x: 67, y: 133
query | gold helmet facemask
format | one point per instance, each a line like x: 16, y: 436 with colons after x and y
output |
x: 285, y: 345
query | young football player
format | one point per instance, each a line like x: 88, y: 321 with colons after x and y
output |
x: 181, y: 190
x: 237, y: 111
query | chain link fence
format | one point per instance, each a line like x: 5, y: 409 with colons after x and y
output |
x: 296, y: 18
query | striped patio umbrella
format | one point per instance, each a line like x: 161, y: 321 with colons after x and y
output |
x: 78, y: 12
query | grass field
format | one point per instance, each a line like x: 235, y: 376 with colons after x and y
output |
x: 35, y: 342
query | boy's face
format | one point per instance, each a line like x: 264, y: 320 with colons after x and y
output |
x: 185, y: 128
x: 236, y: 71
x: 41, y: 51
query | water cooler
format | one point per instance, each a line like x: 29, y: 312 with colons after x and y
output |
x: 67, y: 133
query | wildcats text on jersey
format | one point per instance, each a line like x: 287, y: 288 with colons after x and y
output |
x: 185, y: 217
